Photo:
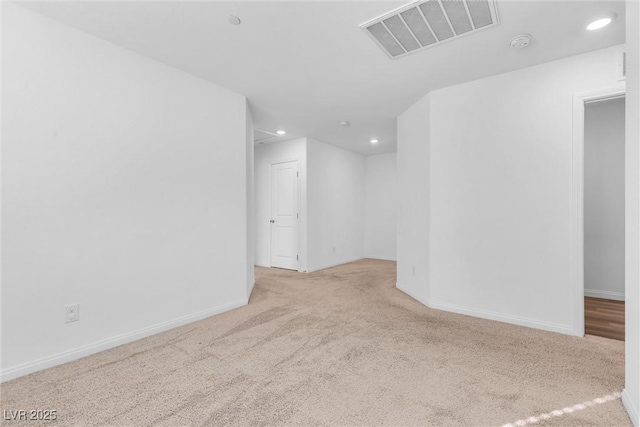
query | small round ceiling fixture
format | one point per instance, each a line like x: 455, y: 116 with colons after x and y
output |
x: 521, y: 41
x: 281, y: 132
x: 234, y: 20
x: 601, y: 23
x: 344, y: 124
x: 374, y: 141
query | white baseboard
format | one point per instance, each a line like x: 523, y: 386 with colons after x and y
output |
x: 594, y: 293
x: 630, y: 407
x: 412, y: 295
x: 98, y: 346
x: 347, y: 261
x: 515, y: 320
x: 253, y: 285
x: 381, y: 257
x: 485, y: 314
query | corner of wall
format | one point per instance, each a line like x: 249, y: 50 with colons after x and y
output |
x: 406, y: 290
x: 250, y: 204
x: 335, y: 178
x: 632, y: 410
x: 413, y: 229
x: 631, y: 394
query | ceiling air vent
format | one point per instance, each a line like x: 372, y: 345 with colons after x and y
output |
x: 262, y: 136
x: 424, y: 24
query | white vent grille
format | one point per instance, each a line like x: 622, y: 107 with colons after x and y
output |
x: 427, y: 23
x: 261, y: 136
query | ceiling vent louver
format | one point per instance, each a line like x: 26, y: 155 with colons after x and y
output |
x: 261, y: 136
x: 428, y: 23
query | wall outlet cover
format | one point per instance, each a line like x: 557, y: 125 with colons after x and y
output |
x: 71, y: 313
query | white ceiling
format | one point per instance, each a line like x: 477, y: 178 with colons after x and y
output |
x: 305, y: 66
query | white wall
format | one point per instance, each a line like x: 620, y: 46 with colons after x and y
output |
x: 631, y: 394
x: 381, y: 216
x: 265, y: 155
x: 500, y: 195
x: 124, y: 190
x: 335, y: 205
x: 1, y: 184
x: 250, y: 203
x: 413, y: 200
x: 604, y: 199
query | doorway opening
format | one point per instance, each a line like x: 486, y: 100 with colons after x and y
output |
x: 603, y: 217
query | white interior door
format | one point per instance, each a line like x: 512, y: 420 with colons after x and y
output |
x: 284, y: 215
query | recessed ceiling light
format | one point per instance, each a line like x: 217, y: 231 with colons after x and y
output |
x: 234, y: 20
x: 600, y: 23
x: 281, y: 132
x: 374, y: 141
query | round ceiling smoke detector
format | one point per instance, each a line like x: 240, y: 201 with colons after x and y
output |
x: 234, y: 20
x: 521, y: 41
x: 343, y: 124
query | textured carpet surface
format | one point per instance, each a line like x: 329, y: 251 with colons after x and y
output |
x: 340, y: 346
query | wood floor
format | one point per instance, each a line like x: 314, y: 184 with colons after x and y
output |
x: 604, y: 318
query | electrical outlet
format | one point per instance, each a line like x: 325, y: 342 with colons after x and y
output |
x: 71, y: 313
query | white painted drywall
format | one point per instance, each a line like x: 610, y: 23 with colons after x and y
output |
x: 499, y: 184
x: 265, y: 155
x: 1, y: 185
x: 251, y: 210
x: 381, y: 208
x: 413, y: 200
x: 631, y: 394
x: 604, y: 199
x: 335, y: 205
x: 124, y: 190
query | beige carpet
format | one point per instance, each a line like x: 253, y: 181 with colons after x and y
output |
x: 336, y: 347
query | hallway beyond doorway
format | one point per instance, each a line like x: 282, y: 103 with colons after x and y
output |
x: 604, y: 318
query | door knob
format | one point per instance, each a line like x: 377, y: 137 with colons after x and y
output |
x: 272, y: 221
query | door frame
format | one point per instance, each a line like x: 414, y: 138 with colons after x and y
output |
x: 298, y: 189
x: 577, y: 196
